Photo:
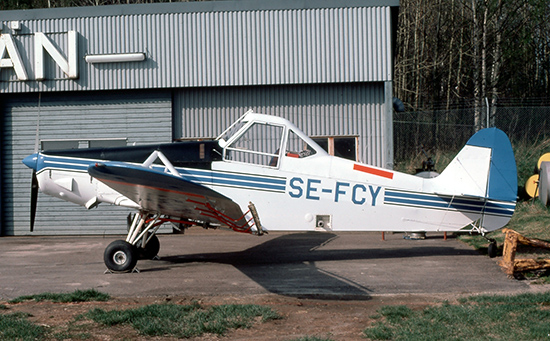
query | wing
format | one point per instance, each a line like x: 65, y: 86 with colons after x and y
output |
x: 166, y: 194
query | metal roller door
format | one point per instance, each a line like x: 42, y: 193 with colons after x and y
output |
x: 141, y: 117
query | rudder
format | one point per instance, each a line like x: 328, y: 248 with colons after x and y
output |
x: 502, y: 179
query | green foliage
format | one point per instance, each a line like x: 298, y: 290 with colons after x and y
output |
x: 183, y: 320
x: 394, y: 314
x: 76, y: 296
x: 16, y: 327
x: 527, y: 153
x: 519, y: 317
x: 441, y: 158
x: 527, y: 298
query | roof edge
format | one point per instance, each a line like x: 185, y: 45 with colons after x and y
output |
x: 187, y: 7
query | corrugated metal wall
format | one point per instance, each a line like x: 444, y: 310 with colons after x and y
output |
x: 319, y: 110
x: 2, y: 178
x: 142, y: 117
x: 325, y: 65
x: 225, y: 48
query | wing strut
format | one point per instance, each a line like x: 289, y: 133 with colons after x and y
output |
x: 157, y: 154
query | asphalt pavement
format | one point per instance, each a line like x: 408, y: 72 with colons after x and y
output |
x: 210, y: 262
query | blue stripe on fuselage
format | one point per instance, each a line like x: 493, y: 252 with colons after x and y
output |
x: 432, y: 201
x: 204, y: 177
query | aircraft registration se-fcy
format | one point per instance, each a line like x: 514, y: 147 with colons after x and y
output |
x: 264, y: 167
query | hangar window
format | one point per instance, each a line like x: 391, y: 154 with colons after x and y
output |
x: 259, y: 144
x: 341, y: 146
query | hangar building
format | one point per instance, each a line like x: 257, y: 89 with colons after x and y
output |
x: 135, y: 74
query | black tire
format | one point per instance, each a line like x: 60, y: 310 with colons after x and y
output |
x: 151, y: 250
x: 492, y: 250
x: 120, y: 256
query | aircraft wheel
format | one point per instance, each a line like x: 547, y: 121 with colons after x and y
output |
x: 492, y: 250
x: 150, y: 250
x: 120, y: 256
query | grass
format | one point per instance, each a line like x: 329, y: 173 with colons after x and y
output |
x: 16, y: 327
x: 489, y: 317
x: 75, y: 296
x: 181, y: 321
x: 184, y: 321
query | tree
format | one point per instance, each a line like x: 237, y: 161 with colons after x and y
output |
x: 462, y: 53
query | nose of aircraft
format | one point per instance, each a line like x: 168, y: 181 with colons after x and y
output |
x: 31, y: 161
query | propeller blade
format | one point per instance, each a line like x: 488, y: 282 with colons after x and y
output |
x: 34, y: 198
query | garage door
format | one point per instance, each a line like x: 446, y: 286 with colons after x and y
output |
x: 134, y: 118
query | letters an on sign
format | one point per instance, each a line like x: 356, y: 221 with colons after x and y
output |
x: 11, y: 58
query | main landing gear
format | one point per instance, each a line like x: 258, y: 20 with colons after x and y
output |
x: 492, y: 249
x: 141, y: 243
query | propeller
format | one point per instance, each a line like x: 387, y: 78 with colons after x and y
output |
x: 31, y: 161
x: 34, y: 166
x: 34, y: 197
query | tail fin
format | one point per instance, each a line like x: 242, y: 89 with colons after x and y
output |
x: 486, y: 169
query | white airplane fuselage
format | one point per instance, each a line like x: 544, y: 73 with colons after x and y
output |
x: 317, y: 192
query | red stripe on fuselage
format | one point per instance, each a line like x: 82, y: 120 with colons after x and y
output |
x: 373, y: 171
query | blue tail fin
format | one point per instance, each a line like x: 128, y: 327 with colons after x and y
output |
x: 503, y: 182
x: 484, y: 169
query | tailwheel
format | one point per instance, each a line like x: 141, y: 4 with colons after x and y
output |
x: 151, y: 249
x: 120, y: 256
x: 492, y: 249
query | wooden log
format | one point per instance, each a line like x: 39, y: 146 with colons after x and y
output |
x: 529, y: 241
x: 509, y: 251
x: 530, y: 264
x: 510, y: 264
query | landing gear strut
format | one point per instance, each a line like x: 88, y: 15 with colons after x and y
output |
x: 492, y: 249
x: 141, y: 243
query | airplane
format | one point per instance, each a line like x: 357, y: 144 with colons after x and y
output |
x: 263, y: 165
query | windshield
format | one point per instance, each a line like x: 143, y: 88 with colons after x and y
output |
x: 228, y: 133
x: 233, y: 128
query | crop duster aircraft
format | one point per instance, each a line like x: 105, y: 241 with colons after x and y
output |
x: 264, y: 166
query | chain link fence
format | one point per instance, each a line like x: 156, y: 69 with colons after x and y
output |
x: 429, y: 132
x: 419, y: 135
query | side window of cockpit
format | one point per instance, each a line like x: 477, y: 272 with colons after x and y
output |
x: 259, y: 145
x: 296, y: 147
